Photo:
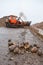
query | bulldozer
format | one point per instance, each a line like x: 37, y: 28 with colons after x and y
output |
x: 19, y: 24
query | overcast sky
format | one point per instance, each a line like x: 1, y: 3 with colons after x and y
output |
x: 33, y: 9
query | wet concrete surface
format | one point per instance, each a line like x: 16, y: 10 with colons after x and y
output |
x: 19, y: 36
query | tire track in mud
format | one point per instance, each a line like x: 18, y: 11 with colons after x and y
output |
x: 37, y: 32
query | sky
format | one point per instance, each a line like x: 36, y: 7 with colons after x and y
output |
x: 33, y: 9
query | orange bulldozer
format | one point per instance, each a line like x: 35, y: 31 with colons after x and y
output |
x: 16, y: 22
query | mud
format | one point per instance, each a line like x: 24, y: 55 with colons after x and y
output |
x: 18, y: 36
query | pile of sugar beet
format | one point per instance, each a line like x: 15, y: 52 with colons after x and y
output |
x: 24, y: 47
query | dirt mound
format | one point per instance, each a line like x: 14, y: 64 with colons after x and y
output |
x: 39, y: 25
x: 3, y: 19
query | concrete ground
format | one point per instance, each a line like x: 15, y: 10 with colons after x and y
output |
x: 19, y: 36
